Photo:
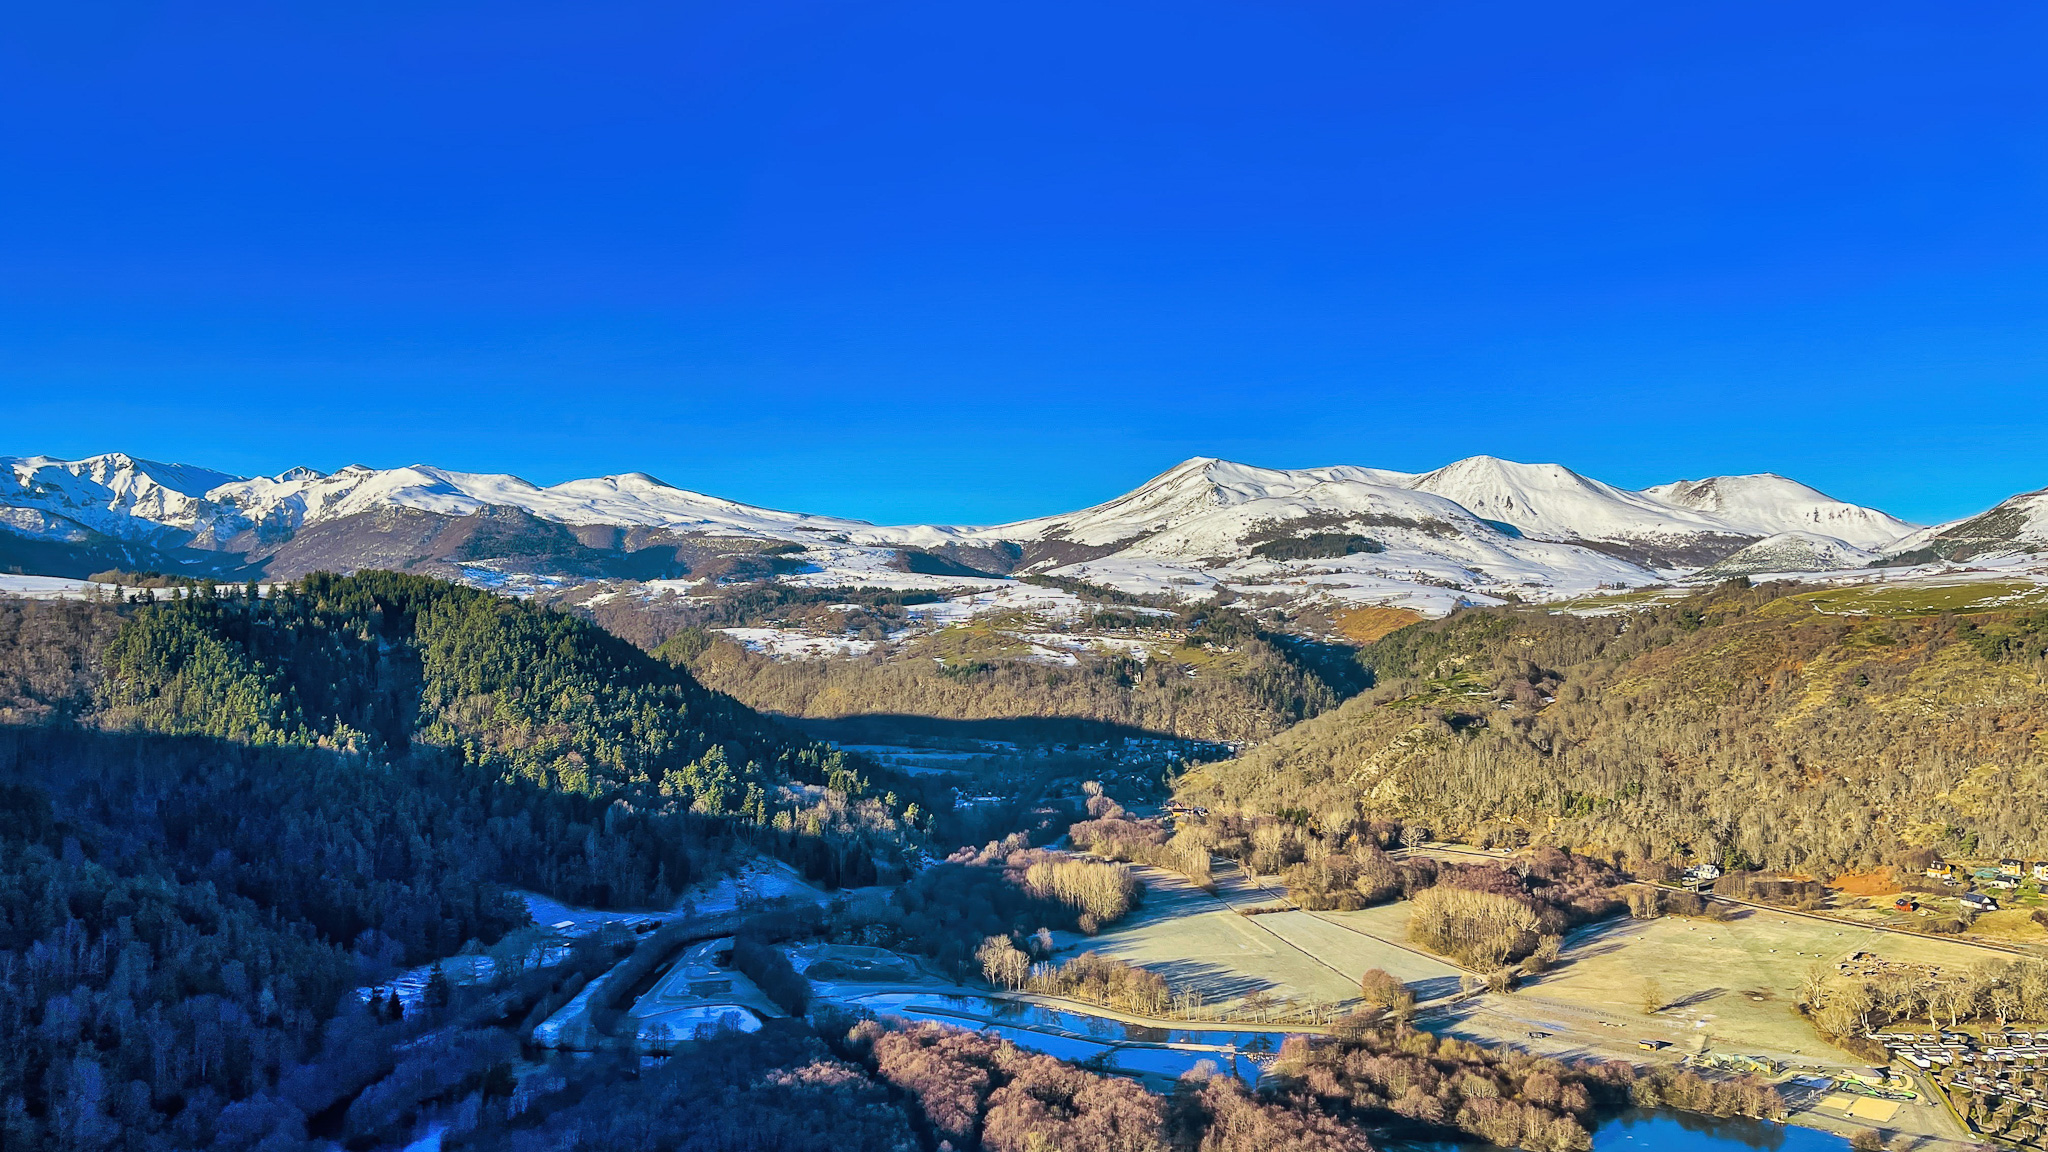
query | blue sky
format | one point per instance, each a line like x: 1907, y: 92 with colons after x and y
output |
x: 976, y: 262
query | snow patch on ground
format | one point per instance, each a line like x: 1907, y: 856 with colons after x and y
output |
x: 49, y: 588
x: 1003, y: 597
x: 789, y: 644
x: 760, y: 880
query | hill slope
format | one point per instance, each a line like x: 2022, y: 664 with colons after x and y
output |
x: 1765, y: 726
x: 2017, y: 526
x: 219, y: 817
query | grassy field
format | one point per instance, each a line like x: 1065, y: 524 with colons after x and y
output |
x: 1367, y: 624
x: 1731, y: 984
x: 1614, y: 601
x: 1925, y: 599
x: 1922, y: 597
x: 1197, y: 941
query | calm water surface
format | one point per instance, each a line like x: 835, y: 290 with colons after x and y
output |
x: 1678, y: 1132
x: 1079, y: 1036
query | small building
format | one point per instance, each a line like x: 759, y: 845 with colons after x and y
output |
x: 2012, y: 868
x: 1702, y: 873
x: 2005, y: 882
x: 1978, y: 902
x: 2041, y: 871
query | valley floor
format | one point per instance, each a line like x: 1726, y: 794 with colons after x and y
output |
x: 1726, y: 987
x: 1202, y: 941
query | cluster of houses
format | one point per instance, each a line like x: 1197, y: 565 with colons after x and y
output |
x: 2005, y: 876
x: 1995, y: 1068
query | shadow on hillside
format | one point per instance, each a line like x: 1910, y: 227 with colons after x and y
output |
x: 972, y: 735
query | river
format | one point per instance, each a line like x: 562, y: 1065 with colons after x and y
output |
x: 1664, y: 1131
x: 1162, y: 1053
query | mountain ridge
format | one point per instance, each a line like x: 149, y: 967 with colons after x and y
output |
x: 1477, y: 530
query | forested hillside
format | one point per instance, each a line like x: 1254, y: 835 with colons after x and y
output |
x: 1212, y: 673
x: 218, y: 814
x: 1767, y: 726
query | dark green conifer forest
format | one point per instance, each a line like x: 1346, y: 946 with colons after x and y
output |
x: 220, y: 814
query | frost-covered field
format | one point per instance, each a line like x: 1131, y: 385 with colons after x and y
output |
x: 49, y: 588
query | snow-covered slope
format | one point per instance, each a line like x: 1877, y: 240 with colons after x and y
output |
x: 1767, y: 504
x: 1552, y: 502
x: 120, y: 496
x: 1212, y: 523
x: 1196, y: 489
x: 1478, y: 529
x: 1671, y: 526
x: 2018, y: 525
x: 1791, y: 552
x: 113, y: 494
x: 632, y: 499
x: 1542, y: 501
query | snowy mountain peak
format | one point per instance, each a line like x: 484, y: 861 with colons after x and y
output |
x: 1477, y: 528
x: 1765, y: 503
x: 1552, y: 502
x: 121, y: 472
x: 1195, y: 488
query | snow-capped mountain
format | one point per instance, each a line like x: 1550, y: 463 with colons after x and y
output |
x: 1767, y: 504
x: 1552, y: 502
x: 1477, y: 530
x: 1199, y: 487
x: 1342, y: 533
x: 114, y: 495
x: 120, y: 496
x: 2017, y: 526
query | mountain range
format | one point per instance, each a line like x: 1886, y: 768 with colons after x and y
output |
x: 1479, y: 530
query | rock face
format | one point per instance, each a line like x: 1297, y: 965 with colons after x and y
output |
x: 1480, y: 530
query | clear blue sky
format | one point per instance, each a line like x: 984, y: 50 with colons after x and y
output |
x: 957, y: 261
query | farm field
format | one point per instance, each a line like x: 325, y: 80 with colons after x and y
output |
x: 1730, y: 984
x: 1195, y: 940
